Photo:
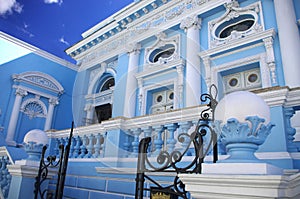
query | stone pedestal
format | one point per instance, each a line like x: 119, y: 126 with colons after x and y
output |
x: 256, y: 184
x: 23, y: 174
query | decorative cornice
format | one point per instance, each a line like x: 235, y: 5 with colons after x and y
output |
x: 33, y: 91
x: 39, y: 79
x: 163, y: 17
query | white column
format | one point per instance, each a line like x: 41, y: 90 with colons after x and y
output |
x: 270, y: 60
x: 52, y: 103
x: 89, y: 108
x: 131, y: 83
x: 289, y: 39
x: 14, y: 117
x: 178, y: 100
x: 193, y: 75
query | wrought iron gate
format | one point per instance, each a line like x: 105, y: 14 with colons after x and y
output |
x: 169, y: 162
x: 52, y: 163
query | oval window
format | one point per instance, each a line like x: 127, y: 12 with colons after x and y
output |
x: 163, y: 52
x: 239, y: 27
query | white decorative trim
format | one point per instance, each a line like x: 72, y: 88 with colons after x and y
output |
x: 160, y: 68
x: 33, y: 91
x: 260, y: 58
x: 39, y: 79
x: 37, y: 110
x: 240, y: 42
x: 166, y: 83
x: 163, y: 17
x: 220, y: 186
x: 234, y: 11
x: 94, y: 76
x: 5, y: 152
x: 161, y: 41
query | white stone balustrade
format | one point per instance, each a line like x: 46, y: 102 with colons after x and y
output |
x: 164, y: 128
x: 89, y: 141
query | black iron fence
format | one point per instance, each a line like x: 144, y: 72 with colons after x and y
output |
x: 171, y: 161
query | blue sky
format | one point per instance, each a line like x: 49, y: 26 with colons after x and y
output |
x: 54, y: 25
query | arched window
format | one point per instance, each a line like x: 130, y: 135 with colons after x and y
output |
x: 110, y: 82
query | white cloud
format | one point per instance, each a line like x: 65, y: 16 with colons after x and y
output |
x: 62, y: 40
x: 54, y: 1
x: 8, y: 6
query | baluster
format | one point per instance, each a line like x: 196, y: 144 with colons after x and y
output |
x: 72, y: 147
x: 185, y: 127
x: 6, y: 188
x: 171, y: 141
x: 77, y: 147
x: 83, y: 147
x: 127, y: 143
x: 66, y: 141
x: 147, y: 133
x: 135, y: 143
x: 90, y: 146
x: 97, y: 145
x: 102, y: 148
x: 290, y: 131
x: 5, y: 176
x: 1, y: 169
x: 56, y: 148
x: 158, y: 142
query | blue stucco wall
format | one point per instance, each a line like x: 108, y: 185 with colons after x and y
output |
x: 62, y: 116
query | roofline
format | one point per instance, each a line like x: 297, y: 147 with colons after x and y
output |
x: 38, y: 51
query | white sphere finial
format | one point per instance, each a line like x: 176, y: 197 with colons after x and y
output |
x: 36, y: 135
x: 240, y: 105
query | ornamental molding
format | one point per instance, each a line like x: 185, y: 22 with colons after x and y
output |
x: 34, y: 107
x: 233, y: 11
x: 159, y: 69
x: 96, y: 74
x: 160, y: 19
x: 259, y: 58
x: 259, y: 36
x: 191, y: 22
x: 33, y: 91
x: 161, y: 41
x: 39, y: 79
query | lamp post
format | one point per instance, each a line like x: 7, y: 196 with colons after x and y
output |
x: 34, y: 141
x: 242, y: 121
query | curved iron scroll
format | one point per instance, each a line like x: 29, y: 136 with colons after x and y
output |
x: 169, y: 162
x: 52, y: 163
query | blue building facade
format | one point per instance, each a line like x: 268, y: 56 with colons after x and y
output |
x: 141, y: 72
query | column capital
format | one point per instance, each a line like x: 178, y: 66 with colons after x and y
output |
x: 88, y: 107
x: 268, y: 42
x: 21, y: 92
x: 53, y: 101
x: 133, y: 48
x: 191, y: 22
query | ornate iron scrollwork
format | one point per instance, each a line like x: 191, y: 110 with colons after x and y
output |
x: 52, y: 163
x: 171, y: 162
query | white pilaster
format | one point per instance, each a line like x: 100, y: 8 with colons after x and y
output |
x: 131, y: 84
x: 52, y: 103
x: 193, y: 75
x: 89, y: 108
x: 289, y: 39
x: 14, y: 117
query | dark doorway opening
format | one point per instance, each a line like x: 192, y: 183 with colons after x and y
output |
x: 103, y: 112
